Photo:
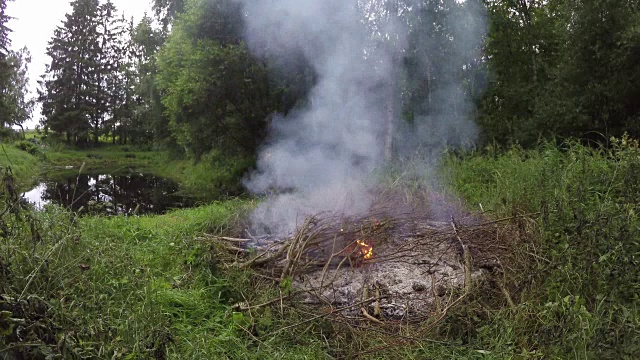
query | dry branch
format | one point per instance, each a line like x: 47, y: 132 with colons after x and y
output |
x: 245, y: 306
x: 332, y: 312
x: 467, y: 258
x: 325, y: 260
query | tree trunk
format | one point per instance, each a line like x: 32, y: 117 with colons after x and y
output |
x: 388, y: 138
x: 392, y: 13
x: 391, y: 109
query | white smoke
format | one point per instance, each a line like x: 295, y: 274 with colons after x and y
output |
x: 320, y: 158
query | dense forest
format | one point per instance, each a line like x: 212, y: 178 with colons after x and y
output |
x: 185, y: 78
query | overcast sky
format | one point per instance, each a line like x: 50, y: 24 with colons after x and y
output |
x: 33, y: 27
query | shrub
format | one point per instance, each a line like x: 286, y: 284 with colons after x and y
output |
x: 29, y: 147
x: 8, y: 134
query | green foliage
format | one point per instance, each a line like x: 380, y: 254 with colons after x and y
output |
x: 167, y: 10
x: 14, y: 97
x: 547, y: 68
x: 85, y: 90
x: 29, y: 147
x: 6, y: 69
x: 25, y: 167
x: 216, y: 95
x: 15, y: 108
x: 148, y: 122
x: 441, y: 66
x: 8, y: 134
x: 214, y: 177
x: 582, y: 296
x: 562, y: 68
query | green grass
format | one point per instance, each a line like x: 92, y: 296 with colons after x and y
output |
x: 26, y: 167
x: 119, y: 285
x: 104, y: 157
x: 148, y: 287
x: 32, y: 134
x: 134, y: 288
x: 213, y: 177
x: 581, y: 293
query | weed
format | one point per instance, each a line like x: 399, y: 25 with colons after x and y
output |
x: 581, y: 294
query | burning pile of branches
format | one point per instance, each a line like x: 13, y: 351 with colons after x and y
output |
x: 381, y: 267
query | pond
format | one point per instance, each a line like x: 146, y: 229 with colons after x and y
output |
x: 110, y: 194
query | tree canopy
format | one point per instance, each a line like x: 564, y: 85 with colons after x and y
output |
x: 187, y: 80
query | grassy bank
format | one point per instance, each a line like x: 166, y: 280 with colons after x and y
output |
x: 26, y: 167
x: 213, y: 177
x: 149, y: 287
x: 119, y: 286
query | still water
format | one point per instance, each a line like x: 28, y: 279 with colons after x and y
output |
x: 110, y: 194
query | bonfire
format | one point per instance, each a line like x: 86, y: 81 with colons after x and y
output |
x: 394, y: 264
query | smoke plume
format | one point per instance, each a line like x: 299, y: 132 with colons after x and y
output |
x: 320, y: 158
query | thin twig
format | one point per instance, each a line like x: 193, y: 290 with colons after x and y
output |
x: 467, y: 258
x: 508, y: 218
x: 236, y: 249
x: 261, y: 259
x: 369, y: 317
x: 229, y: 239
x: 242, y: 307
x: 326, y: 314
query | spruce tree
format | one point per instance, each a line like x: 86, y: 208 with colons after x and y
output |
x: 82, y: 91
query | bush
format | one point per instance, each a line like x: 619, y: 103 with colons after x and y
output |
x: 29, y: 147
x: 8, y: 134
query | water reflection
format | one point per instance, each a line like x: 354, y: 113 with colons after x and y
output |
x: 109, y: 194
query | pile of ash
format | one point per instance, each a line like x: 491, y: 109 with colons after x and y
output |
x: 380, y: 267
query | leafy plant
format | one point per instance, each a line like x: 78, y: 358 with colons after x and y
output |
x: 30, y: 147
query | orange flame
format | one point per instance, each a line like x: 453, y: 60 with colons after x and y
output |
x: 365, y: 249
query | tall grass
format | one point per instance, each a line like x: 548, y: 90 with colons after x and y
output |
x: 129, y: 287
x: 580, y: 297
x: 117, y: 286
x: 25, y: 166
x: 146, y: 287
